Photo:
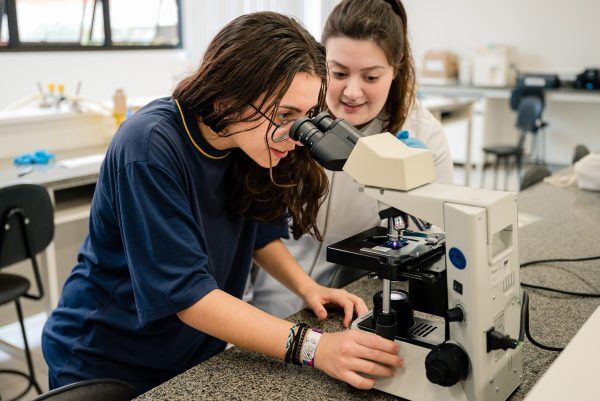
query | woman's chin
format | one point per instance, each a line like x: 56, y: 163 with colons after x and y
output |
x: 353, y: 119
x: 265, y: 163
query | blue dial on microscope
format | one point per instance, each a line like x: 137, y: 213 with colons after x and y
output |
x: 457, y: 258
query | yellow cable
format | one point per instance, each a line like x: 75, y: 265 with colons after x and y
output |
x: 192, y: 139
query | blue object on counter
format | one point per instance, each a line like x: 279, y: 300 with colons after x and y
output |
x: 411, y: 142
x: 37, y: 157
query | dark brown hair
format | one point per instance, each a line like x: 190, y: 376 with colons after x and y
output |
x: 385, y: 23
x: 252, y: 61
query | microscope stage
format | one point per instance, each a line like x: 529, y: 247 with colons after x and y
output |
x: 420, y: 256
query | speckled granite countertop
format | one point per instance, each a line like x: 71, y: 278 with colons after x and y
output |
x: 569, y: 228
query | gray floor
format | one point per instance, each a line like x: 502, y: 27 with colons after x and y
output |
x: 11, y: 385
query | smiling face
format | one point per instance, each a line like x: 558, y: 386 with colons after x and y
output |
x: 359, y: 79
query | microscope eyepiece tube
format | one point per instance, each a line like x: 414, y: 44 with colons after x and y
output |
x: 329, y: 141
x: 303, y: 131
x: 323, y: 120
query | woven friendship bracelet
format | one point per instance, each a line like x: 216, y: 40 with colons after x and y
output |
x: 289, y: 353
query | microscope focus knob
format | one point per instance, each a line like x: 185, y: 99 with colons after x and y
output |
x: 447, y: 364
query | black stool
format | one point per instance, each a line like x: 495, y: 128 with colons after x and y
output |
x: 529, y: 105
x: 26, y: 228
x: 534, y: 175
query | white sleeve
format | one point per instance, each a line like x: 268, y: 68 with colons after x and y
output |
x: 421, y: 124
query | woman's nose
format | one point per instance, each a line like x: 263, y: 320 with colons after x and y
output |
x: 294, y: 143
x: 352, y: 90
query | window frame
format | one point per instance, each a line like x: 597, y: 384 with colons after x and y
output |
x: 15, y: 44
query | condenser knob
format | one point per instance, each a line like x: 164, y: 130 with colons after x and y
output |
x: 447, y: 364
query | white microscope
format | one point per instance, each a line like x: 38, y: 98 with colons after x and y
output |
x: 465, y: 279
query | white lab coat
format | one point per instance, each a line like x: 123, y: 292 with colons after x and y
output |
x: 345, y: 212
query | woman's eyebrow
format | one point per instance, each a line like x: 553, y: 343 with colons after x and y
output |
x: 340, y: 65
x: 294, y: 108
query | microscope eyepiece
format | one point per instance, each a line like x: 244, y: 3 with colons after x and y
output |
x: 329, y: 141
x: 303, y: 131
x: 323, y: 120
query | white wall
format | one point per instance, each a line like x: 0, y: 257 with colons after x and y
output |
x: 550, y: 35
x: 140, y: 73
x: 553, y: 36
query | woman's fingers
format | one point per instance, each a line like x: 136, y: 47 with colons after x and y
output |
x: 376, y: 342
x: 360, y: 305
x: 380, y: 357
x: 348, y: 312
x: 371, y: 368
x: 345, y: 355
x: 358, y: 381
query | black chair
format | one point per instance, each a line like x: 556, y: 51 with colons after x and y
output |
x: 529, y: 105
x: 580, y: 152
x: 91, y: 390
x: 26, y: 228
x: 534, y: 175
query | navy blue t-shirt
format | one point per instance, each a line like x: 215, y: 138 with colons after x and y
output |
x: 160, y: 238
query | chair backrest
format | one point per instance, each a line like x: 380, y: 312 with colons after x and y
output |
x: 529, y: 113
x: 529, y: 104
x: 24, y: 205
x: 92, y: 390
x: 534, y: 175
x: 519, y: 93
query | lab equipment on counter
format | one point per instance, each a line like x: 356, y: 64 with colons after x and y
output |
x: 538, y: 80
x: 37, y: 157
x: 494, y: 66
x: 467, y: 276
x: 588, y: 79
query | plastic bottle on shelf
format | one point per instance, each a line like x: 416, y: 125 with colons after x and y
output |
x: 119, y: 106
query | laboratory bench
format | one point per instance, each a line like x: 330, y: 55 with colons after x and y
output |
x: 562, y: 223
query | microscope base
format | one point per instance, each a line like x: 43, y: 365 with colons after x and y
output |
x: 411, y: 382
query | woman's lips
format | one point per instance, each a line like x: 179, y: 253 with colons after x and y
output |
x: 279, y: 153
x: 351, y: 108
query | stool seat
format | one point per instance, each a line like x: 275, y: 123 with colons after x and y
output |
x: 12, y: 287
x: 503, y: 150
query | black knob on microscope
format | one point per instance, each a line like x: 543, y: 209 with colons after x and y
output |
x: 447, y: 364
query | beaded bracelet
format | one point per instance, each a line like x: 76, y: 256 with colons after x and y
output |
x: 298, y: 345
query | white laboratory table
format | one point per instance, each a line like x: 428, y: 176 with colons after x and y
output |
x: 64, y: 187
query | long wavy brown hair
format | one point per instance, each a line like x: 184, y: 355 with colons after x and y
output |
x: 385, y: 23
x: 252, y: 61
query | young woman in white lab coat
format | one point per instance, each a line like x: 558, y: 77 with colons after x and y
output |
x: 372, y: 86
